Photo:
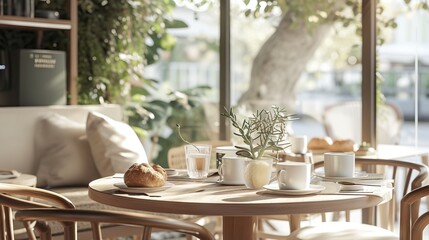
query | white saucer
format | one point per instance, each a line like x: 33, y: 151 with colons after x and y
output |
x: 357, y: 175
x: 127, y: 189
x: 171, y: 172
x: 7, y: 174
x: 274, y: 188
x: 228, y: 184
x: 351, y: 187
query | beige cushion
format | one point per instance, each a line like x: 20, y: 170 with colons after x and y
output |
x: 114, y: 145
x: 342, y: 231
x: 63, y: 152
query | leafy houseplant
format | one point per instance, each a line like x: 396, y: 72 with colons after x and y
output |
x: 262, y: 133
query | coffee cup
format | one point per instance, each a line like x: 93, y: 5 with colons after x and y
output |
x: 221, y: 151
x: 231, y: 170
x: 293, y: 175
x: 298, y: 144
x: 339, y: 164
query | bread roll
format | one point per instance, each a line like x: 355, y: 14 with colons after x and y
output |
x: 144, y: 175
x: 342, y: 146
x: 319, y: 143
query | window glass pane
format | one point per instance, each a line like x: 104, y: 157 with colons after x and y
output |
x: 189, y: 78
x: 404, y: 66
x: 306, y: 59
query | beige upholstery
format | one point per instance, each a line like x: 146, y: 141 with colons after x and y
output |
x: 69, y: 217
x: 344, y: 121
x: 176, y: 155
x: 416, y: 173
x: 17, y: 125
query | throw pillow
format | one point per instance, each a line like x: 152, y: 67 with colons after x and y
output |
x: 63, y: 152
x: 114, y: 145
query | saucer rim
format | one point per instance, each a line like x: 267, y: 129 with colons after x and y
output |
x: 314, y: 188
x: 123, y: 187
x: 228, y: 184
x: 357, y: 175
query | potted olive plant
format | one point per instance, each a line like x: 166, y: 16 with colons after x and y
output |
x: 264, y: 134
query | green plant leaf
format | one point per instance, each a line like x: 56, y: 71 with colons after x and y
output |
x: 175, y: 23
x: 244, y: 153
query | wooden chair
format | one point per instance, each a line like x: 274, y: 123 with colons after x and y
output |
x: 21, y: 197
x: 343, y: 121
x: 16, y: 197
x: 416, y: 173
x: 410, y: 229
x: 69, y: 217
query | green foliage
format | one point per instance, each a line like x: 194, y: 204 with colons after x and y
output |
x: 263, y: 131
x: 116, y: 40
x: 152, y: 116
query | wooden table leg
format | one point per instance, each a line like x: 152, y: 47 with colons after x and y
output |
x: 240, y: 228
x: 294, y: 222
x: 368, y: 215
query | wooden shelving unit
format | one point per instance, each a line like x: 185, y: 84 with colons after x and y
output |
x: 41, y: 24
x: 26, y: 23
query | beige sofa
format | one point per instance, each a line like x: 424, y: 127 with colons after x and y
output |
x: 17, y: 147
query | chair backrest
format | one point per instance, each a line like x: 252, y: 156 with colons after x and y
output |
x: 17, y: 197
x: 344, y: 121
x: 96, y: 217
x: 407, y: 176
x: 176, y: 155
x: 412, y: 229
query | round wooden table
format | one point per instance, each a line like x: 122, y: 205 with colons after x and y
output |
x: 238, y: 205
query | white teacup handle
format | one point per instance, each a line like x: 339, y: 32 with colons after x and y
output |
x: 279, y: 174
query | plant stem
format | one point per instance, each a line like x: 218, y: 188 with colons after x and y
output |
x: 180, y: 135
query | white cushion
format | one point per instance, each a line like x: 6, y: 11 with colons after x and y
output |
x: 342, y: 231
x: 63, y: 152
x: 114, y: 145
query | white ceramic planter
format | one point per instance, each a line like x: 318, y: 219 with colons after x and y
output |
x: 257, y: 173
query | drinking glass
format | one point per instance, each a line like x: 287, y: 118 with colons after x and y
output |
x: 198, y: 160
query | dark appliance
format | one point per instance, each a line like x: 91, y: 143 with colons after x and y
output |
x: 41, y: 77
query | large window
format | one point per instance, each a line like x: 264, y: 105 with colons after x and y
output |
x: 189, y: 78
x: 306, y: 58
x: 404, y: 65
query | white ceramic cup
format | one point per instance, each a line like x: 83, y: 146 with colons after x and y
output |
x: 298, y: 144
x: 339, y: 164
x: 231, y: 170
x: 293, y: 175
x: 221, y: 151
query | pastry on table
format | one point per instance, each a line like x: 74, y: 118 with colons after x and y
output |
x: 342, y: 145
x: 145, y: 175
x: 319, y: 144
